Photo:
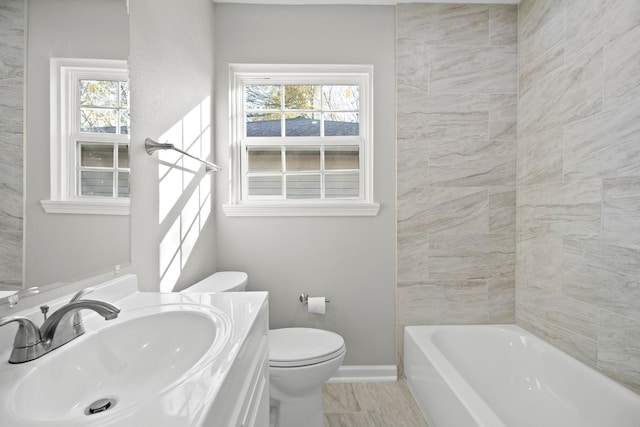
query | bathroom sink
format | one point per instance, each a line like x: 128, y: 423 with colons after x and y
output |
x: 119, y: 364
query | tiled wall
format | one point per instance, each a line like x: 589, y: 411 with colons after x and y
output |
x: 578, y: 240
x: 456, y: 158
x: 11, y: 146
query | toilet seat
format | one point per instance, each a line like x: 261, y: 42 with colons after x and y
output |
x: 295, y: 347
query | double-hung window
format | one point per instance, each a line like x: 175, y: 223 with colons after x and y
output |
x: 89, y: 137
x: 301, y: 140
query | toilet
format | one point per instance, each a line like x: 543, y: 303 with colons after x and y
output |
x: 300, y: 361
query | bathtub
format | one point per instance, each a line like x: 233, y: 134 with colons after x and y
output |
x: 503, y: 376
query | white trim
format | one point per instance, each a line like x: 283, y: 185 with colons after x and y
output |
x: 241, y: 74
x: 301, y: 209
x: 63, y: 72
x: 365, y: 373
x: 88, y: 206
x: 365, y: 2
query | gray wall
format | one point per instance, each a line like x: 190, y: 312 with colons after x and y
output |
x: 349, y: 260
x: 12, y: 27
x: 579, y: 180
x: 171, y: 74
x: 59, y: 247
x: 457, y: 96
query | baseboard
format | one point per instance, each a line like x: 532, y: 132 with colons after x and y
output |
x: 365, y: 373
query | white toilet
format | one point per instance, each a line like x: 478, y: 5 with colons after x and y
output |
x: 300, y: 361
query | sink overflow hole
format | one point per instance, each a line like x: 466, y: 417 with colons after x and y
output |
x: 100, y: 405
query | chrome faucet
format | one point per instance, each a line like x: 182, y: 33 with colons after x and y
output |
x: 58, y: 329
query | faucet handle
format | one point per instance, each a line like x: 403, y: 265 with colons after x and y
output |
x: 28, y: 334
x: 82, y: 293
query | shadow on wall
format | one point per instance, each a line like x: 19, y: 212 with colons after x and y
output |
x: 184, y: 203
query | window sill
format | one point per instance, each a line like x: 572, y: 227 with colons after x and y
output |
x: 87, y: 207
x: 301, y: 209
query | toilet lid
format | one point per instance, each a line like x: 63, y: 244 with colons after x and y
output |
x: 303, y: 346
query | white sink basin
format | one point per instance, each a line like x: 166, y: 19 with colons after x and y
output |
x: 127, y: 360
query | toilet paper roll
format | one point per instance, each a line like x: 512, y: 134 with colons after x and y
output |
x: 317, y: 305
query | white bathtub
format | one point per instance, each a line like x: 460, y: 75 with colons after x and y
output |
x: 503, y: 376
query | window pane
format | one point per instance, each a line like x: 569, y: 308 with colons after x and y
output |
x: 300, y: 124
x: 341, y: 98
x: 123, y: 184
x: 341, y: 124
x: 302, y: 158
x: 263, y: 97
x: 124, y: 94
x: 341, y: 158
x: 302, y: 97
x: 341, y: 185
x: 99, y: 93
x: 303, y: 186
x: 94, y: 155
x: 264, y: 124
x: 93, y: 183
x: 124, y: 122
x: 265, y: 186
x: 98, y: 120
x: 123, y: 156
x: 264, y: 159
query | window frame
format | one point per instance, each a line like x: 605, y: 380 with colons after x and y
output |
x: 64, y: 102
x: 300, y: 74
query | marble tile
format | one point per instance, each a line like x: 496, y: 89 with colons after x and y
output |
x: 11, y: 255
x: 542, y: 34
x: 464, y: 69
x: 443, y: 116
x: 444, y: 24
x: 537, y: 107
x: 340, y: 398
x: 540, y: 156
x: 412, y: 163
x: 539, y: 261
x: 412, y: 63
x: 503, y: 114
x: 549, y: 61
x: 472, y: 164
x: 471, y: 257
x: 503, y: 25
x: 383, y: 404
x: 502, y: 210
x: 413, y: 253
x: 621, y: 196
x: 453, y: 210
x: 619, y: 349
x: 592, y: 24
x: 533, y: 15
x: 622, y: 69
x: 606, y: 145
x: 603, y: 274
x: 11, y: 206
x: 501, y: 300
x: 561, y: 208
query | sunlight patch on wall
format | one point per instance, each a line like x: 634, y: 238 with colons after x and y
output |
x: 184, y: 192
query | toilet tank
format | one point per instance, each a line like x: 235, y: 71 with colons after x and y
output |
x: 222, y: 281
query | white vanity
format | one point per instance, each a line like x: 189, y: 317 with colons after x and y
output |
x: 168, y: 359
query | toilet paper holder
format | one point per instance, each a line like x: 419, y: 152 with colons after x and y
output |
x: 304, y: 299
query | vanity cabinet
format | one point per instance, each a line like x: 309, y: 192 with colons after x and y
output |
x: 243, y: 398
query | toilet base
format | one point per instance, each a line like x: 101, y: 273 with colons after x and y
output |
x: 296, y: 412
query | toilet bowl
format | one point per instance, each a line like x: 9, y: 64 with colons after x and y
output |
x: 300, y: 361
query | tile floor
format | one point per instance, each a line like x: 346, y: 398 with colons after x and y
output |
x: 381, y: 404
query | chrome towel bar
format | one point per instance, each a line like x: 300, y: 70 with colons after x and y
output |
x: 152, y: 146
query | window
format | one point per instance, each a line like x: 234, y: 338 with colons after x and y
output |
x: 89, y: 137
x: 301, y: 140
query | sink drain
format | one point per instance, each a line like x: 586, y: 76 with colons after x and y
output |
x: 100, y: 405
